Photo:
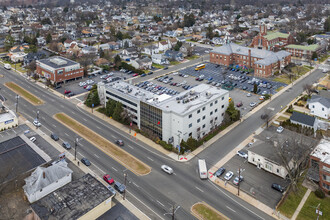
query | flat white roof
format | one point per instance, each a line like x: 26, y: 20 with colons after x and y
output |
x: 322, y: 151
x: 6, y: 116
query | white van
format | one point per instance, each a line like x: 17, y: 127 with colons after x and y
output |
x: 7, y: 66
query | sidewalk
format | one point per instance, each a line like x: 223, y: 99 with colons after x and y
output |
x: 301, y: 204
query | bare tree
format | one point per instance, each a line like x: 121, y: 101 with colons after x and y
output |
x: 266, y: 116
x: 308, y: 88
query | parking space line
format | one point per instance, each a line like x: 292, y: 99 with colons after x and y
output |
x: 113, y: 136
x: 43, y: 118
x: 114, y: 169
x: 135, y: 184
x: 199, y: 189
x: 54, y: 125
x: 160, y: 203
x: 230, y: 209
x: 73, y: 113
x: 98, y: 127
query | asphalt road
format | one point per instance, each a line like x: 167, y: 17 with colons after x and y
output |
x: 155, y: 193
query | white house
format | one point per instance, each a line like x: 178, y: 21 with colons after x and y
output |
x: 45, y: 180
x: 150, y: 50
x: 89, y: 50
x: 164, y: 45
x: 159, y: 59
x: 144, y: 63
x: 319, y: 106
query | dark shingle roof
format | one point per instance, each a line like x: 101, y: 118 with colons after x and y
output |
x: 303, y: 118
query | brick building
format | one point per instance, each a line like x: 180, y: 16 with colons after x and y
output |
x: 271, y: 41
x: 264, y: 62
x: 303, y: 51
x: 59, y: 69
x: 319, y: 170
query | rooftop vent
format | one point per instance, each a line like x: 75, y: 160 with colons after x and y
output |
x: 58, y: 61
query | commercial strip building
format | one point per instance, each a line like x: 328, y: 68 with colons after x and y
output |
x: 302, y: 51
x: 192, y: 113
x: 271, y: 41
x: 8, y: 118
x: 59, y: 69
x: 265, y: 63
x: 320, y: 165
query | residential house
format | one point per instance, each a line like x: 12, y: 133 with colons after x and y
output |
x: 129, y: 53
x: 159, y: 59
x: 41, y: 41
x: 319, y: 105
x: 144, y: 63
x: 150, y: 50
x: 171, y: 34
x: 186, y: 49
x: 164, y: 45
x: 89, y: 50
x: 67, y: 43
x: 74, y: 49
x: 114, y: 45
x: 319, y: 162
x: 125, y: 43
x: 173, y: 55
x: 304, y: 120
x: 17, y: 54
x: 181, y: 39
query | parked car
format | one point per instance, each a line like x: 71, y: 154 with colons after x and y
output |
x: 165, y: 68
x: 86, y: 161
x: 150, y: 73
x: 70, y: 94
x: 237, y: 180
x: 229, y: 175
x: 108, y: 179
x: 57, y: 86
x: 120, y: 187
x: 278, y: 187
x: 89, y: 87
x: 219, y: 172
x: 66, y: 145
x: 262, y: 97
x: 120, y: 142
x: 54, y: 137
x: 143, y: 75
x: 239, y: 104
x: 248, y: 95
x: 167, y: 169
x: 67, y: 91
x: 253, y: 104
x: 135, y: 74
x: 280, y: 129
x: 242, y: 154
x: 33, y: 139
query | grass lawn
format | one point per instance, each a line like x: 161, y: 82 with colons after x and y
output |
x: 193, y: 57
x: 308, y: 210
x: 174, y: 62
x: 132, y: 163
x: 25, y: 94
x: 282, y: 118
x: 323, y: 58
x: 297, y: 70
x: 283, y: 79
x: 279, y: 89
x: 18, y: 66
x: 205, y: 212
x: 309, y: 67
x: 300, y: 70
x: 290, y: 204
x: 157, y: 66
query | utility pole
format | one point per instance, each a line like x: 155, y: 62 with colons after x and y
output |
x: 125, y: 176
x: 239, y: 177
x: 17, y: 97
x: 179, y: 134
x: 75, y: 148
x: 38, y: 115
x: 173, y: 211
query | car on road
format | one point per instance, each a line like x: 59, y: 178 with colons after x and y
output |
x: 242, y: 154
x: 108, y: 179
x: 54, y: 137
x: 280, y: 129
x: 89, y: 87
x: 36, y: 123
x: 66, y: 91
x: 237, y: 180
x: 165, y: 68
x: 120, y: 187
x: 33, y: 139
x: 120, y: 142
x: 85, y: 161
x: 253, y: 104
x: 66, y: 145
x: 219, y: 172
x: 278, y: 187
x: 248, y: 95
x: 150, y: 73
x: 229, y: 175
x: 167, y: 169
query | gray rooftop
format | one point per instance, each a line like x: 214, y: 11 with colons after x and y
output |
x: 57, y: 62
x: 303, y: 118
x: 323, y: 100
x: 73, y: 200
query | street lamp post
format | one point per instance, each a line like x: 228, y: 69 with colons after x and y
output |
x: 173, y: 211
x: 125, y: 176
x: 17, y: 97
x: 38, y: 115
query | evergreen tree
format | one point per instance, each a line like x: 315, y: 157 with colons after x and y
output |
x: 119, y: 35
x: 178, y: 46
x: 117, y: 60
x: 9, y: 42
x: 314, y: 55
x: 49, y: 38
x: 117, y: 112
x: 327, y: 25
x: 110, y: 107
x: 255, y: 88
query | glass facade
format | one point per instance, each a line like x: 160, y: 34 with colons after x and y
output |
x: 151, y: 118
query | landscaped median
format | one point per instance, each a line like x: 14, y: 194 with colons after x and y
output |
x: 24, y: 93
x: 127, y: 160
x: 203, y: 211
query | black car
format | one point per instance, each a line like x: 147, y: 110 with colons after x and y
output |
x: 165, y: 68
x: 58, y: 86
x: 219, y: 172
x: 70, y: 94
x: 54, y: 137
x: 86, y: 161
x: 150, y: 73
x: 120, y: 142
x: 120, y: 187
x: 278, y: 187
x: 66, y: 145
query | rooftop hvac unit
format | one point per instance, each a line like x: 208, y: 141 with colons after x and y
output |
x: 192, y: 92
x: 58, y: 61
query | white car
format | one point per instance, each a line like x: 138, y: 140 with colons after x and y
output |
x: 36, y: 123
x: 167, y: 169
x: 252, y: 104
x: 81, y: 84
x: 33, y: 139
x: 248, y: 95
x: 242, y: 154
x: 185, y: 76
x: 175, y: 73
x: 229, y: 175
x: 280, y: 129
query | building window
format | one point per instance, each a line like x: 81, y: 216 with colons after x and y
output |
x: 222, y: 98
x: 277, y: 170
x: 198, y: 120
x: 199, y: 111
x: 216, y: 118
x: 203, y: 117
x: 203, y: 125
x: 190, y: 134
x: 216, y: 110
x: 211, y: 121
x: 190, y: 125
x: 211, y: 104
x: 203, y: 108
x: 222, y: 114
x: 190, y: 115
x: 322, y: 109
x: 222, y: 106
x: 211, y: 113
x: 216, y: 101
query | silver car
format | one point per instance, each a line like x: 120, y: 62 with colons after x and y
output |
x: 167, y: 169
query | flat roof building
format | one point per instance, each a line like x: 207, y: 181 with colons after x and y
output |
x: 59, y: 69
x: 8, y: 118
x: 303, y: 51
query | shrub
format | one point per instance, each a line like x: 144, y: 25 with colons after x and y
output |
x: 166, y: 145
x: 319, y: 193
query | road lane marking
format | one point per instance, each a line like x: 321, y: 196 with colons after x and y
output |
x: 99, y: 168
x: 174, y: 174
x: 62, y: 106
x: 114, y: 169
x: 130, y: 146
x: 84, y: 119
x: 160, y: 203
x: 113, y: 136
x: 73, y: 113
x: 199, y: 189
x: 135, y: 184
x: 54, y: 125
x: 96, y: 156
x: 98, y: 127
x: 150, y: 159
x: 230, y: 209
x: 43, y: 118
x: 66, y: 134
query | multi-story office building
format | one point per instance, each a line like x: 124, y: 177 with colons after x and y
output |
x: 302, y: 51
x: 192, y: 113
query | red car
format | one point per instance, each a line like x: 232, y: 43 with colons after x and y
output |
x: 67, y: 91
x: 135, y: 74
x: 108, y: 179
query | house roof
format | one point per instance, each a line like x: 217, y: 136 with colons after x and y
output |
x: 312, y: 47
x: 322, y: 151
x: 274, y: 35
x: 322, y: 100
x: 303, y: 118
